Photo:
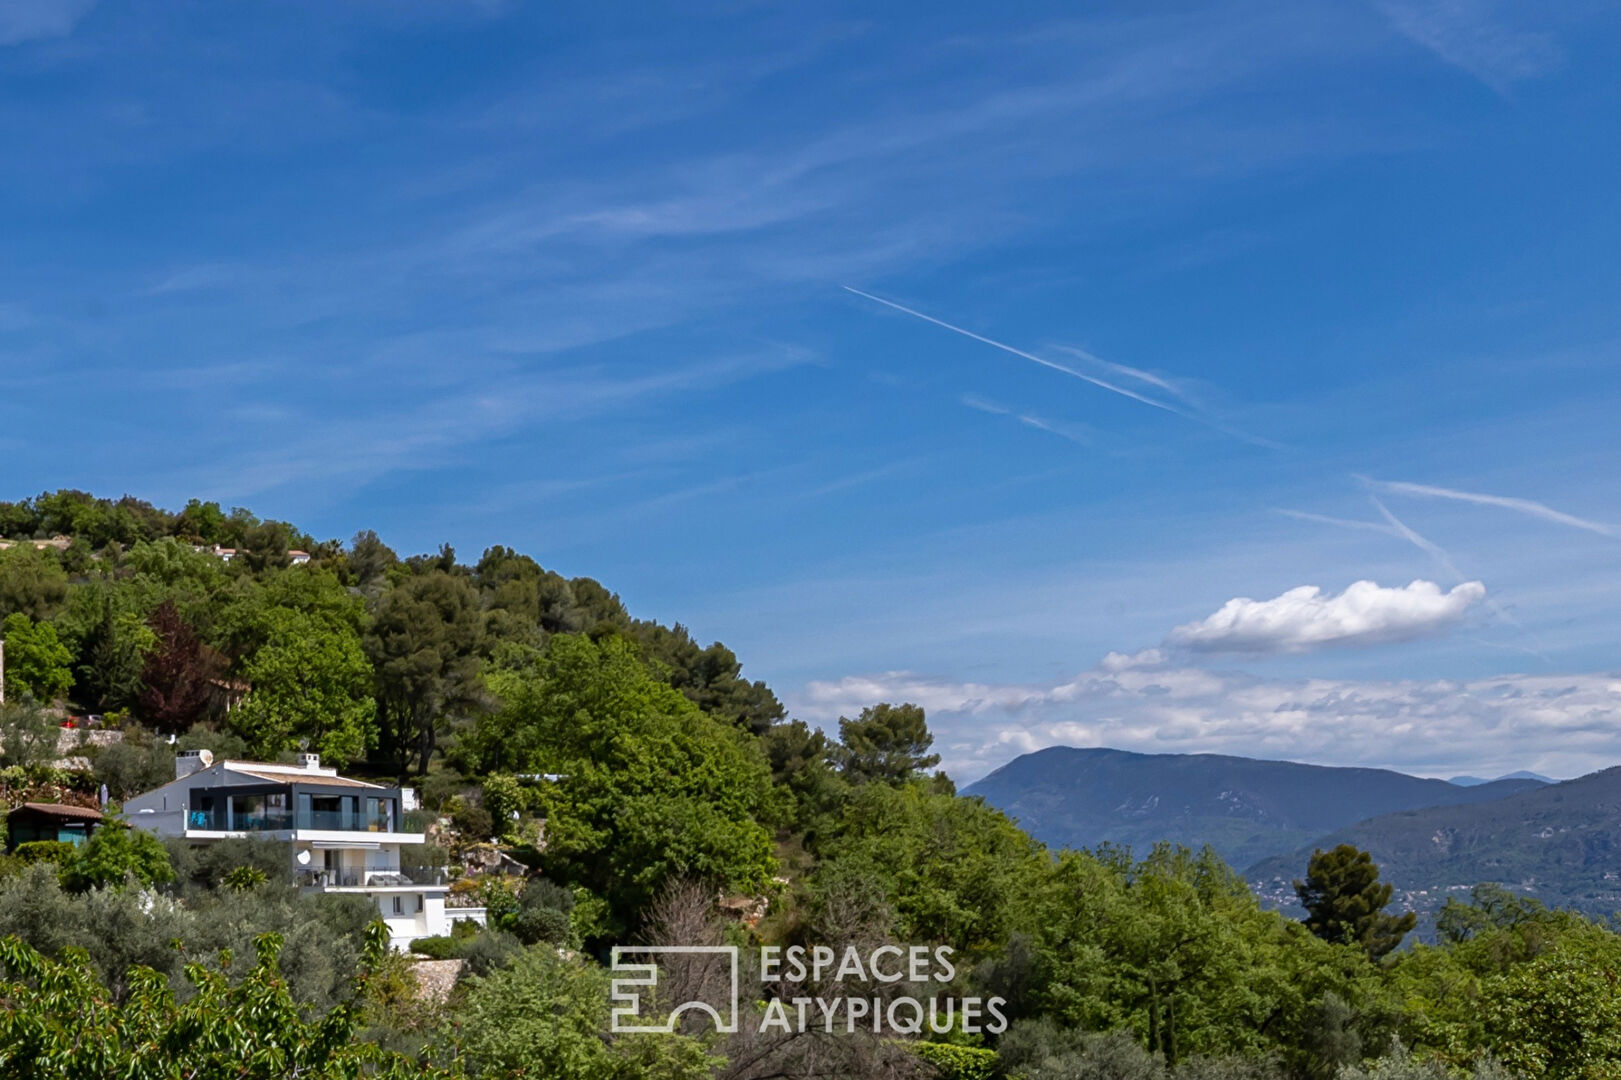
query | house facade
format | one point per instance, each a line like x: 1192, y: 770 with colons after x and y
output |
x: 343, y: 835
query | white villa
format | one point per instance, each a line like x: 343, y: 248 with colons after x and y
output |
x: 345, y: 835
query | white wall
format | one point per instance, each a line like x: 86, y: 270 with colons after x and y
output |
x: 411, y: 924
x: 164, y: 823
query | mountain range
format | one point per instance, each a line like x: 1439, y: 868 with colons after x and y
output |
x: 1471, y: 781
x: 1248, y: 810
x: 1559, y: 842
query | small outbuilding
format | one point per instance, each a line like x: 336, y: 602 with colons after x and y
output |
x: 50, y: 821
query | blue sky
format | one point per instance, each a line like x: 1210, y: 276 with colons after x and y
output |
x: 578, y: 281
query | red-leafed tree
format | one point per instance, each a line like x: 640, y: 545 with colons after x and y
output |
x: 179, y: 668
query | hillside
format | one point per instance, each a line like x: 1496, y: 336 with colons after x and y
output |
x: 1562, y: 843
x: 1247, y: 809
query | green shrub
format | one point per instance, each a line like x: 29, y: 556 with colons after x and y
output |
x: 244, y: 878
x: 542, y: 913
x: 437, y: 948
x: 114, y: 854
x: 503, y: 797
x: 1042, y: 1049
x: 473, y: 822
x: 52, y: 851
x: 958, y: 1062
x: 490, y: 951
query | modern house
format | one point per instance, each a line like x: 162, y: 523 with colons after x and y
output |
x: 50, y: 821
x: 344, y: 835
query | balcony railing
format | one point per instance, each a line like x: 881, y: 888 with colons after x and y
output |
x: 343, y: 821
x: 283, y: 820
x: 376, y: 877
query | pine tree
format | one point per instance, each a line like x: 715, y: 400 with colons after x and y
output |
x: 1345, y: 902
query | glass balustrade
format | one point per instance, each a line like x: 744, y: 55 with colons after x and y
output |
x: 261, y: 813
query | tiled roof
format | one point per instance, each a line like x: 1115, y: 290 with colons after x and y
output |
x: 63, y: 810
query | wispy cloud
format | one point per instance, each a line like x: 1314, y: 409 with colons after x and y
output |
x: 1175, y: 388
x: 985, y: 405
x: 423, y: 430
x: 1524, y: 506
x: 1469, y: 34
x: 868, y: 476
x: 1080, y: 434
x: 31, y: 20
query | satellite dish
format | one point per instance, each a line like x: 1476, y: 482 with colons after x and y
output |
x: 304, y: 857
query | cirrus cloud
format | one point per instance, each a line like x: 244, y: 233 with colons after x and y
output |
x: 1304, y: 618
x: 29, y: 20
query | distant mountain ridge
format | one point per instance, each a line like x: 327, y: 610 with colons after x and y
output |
x: 1473, y: 781
x: 1559, y: 842
x: 1247, y: 809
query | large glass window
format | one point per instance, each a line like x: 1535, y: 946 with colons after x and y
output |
x: 260, y: 812
x: 378, y: 814
x: 333, y: 812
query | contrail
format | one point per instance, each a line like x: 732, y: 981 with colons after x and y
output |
x: 1439, y: 554
x: 1523, y: 506
x: 1434, y: 550
x: 1055, y: 365
x: 1393, y: 526
x: 1344, y: 523
x: 1067, y: 370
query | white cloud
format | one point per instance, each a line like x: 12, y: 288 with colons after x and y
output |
x: 1146, y: 658
x: 1561, y: 725
x: 1304, y: 618
x: 27, y: 20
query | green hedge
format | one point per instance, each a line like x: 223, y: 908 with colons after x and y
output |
x: 437, y: 948
x: 55, y: 851
x: 958, y: 1062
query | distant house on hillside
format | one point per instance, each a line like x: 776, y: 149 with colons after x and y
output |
x: 344, y: 835
x: 225, y: 695
x: 33, y: 821
x: 60, y: 543
x: 298, y: 558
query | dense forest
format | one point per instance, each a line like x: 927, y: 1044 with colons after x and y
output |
x: 653, y: 792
